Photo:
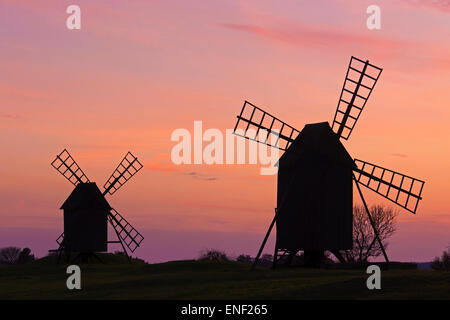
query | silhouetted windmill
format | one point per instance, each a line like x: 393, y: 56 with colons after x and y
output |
x: 86, y: 211
x: 315, y: 188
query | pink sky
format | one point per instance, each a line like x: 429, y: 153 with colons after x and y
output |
x: 137, y: 71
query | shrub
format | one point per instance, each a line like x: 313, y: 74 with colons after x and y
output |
x: 25, y: 256
x: 245, y: 258
x: 213, y: 255
x: 267, y: 257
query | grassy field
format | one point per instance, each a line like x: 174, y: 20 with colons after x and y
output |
x: 214, y: 280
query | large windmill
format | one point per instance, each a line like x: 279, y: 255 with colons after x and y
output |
x: 316, y: 174
x: 86, y: 211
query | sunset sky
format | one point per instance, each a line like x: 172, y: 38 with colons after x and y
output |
x: 138, y: 70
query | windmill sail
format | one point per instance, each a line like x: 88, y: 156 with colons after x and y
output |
x: 359, y: 82
x: 126, y: 232
x: 401, y: 189
x: 60, y: 239
x: 67, y: 166
x: 257, y: 125
x: 127, y: 168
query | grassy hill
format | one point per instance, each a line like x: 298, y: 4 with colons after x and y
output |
x: 118, y: 279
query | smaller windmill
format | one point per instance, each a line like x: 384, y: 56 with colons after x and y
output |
x: 87, y: 212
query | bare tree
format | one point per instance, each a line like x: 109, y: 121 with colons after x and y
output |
x: 443, y: 263
x: 365, y: 244
x: 9, y: 255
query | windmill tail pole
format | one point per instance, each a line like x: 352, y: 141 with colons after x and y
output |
x: 264, y: 241
x: 371, y: 220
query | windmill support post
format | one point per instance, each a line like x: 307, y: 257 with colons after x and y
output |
x: 338, y: 256
x: 85, y: 257
x: 59, y: 251
x: 371, y: 220
x: 275, y: 257
x: 285, y: 197
x: 98, y: 258
x: 263, y: 244
x: 371, y: 244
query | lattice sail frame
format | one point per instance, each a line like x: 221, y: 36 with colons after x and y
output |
x: 127, y: 233
x: 359, y: 82
x: 67, y: 166
x: 60, y: 239
x: 399, y: 188
x: 259, y: 125
x: 126, y: 169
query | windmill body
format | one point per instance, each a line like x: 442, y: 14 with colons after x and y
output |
x: 315, y: 196
x: 86, y: 219
x: 316, y: 174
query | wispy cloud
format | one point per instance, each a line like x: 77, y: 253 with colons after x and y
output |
x: 9, y: 116
x: 440, y: 5
x: 313, y: 36
x: 162, y: 167
x: 161, y: 162
x: 400, y: 155
x: 319, y: 37
x: 228, y: 207
x: 200, y: 176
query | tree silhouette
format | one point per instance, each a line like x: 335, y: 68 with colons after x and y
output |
x: 9, y: 255
x: 443, y: 263
x: 365, y: 245
x: 25, y: 256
